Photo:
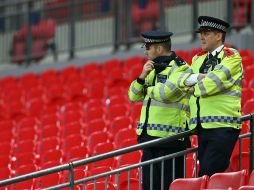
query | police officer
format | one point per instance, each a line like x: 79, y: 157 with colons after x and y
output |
x: 165, y: 108
x: 216, y: 101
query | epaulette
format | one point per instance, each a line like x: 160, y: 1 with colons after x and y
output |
x: 201, y: 53
x: 228, y: 52
x: 179, y: 61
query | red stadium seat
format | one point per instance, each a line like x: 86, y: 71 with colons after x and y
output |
x: 25, y: 169
x: 5, y: 147
x: 69, y: 70
x: 247, y: 94
x: 4, y: 161
x: 38, y: 49
x: 94, y: 113
x: 27, y: 123
x: 111, y: 64
x: 116, y: 111
x: 4, y: 173
x: 121, y: 122
x: 133, y: 61
x: 48, y: 131
x: 248, y: 107
x: 23, y: 146
x: 189, y: 183
x: 48, y: 144
x: 127, y: 142
x: 226, y: 180
x: 28, y: 80
x: 90, y: 67
x: 248, y: 75
x: 49, y: 164
x: 47, y: 181
x: 6, y: 125
x: 55, y: 95
x: 48, y: 119
x: 99, y: 170
x: 94, y: 126
x: 235, y: 161
x: 73, y: 128
x: 52, y: 155
x: 251, y: 179
x: 26, y: 134
x: 18, y: 52
x: 129, y: 158
x: 25, y: 158
x: 103, y: 148
x: 73, y: 116
x: 76, y: 152
x: 72, y: 140
x: 124, y: 133
x: 133, y: 184
x: 99, y: 185
x: 76, y: 92
x: 6, y: 137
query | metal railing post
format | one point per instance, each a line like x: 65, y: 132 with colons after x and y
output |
x: 116, y: 26
x: 71, y: 7
x: 71, y: 176
x: 252, y: 15
x: 162, y: 16
x: 252, y: 143
x: 128, y: 25
x: 194, y: 19
x: 229, y: 13
x: 29, y: 38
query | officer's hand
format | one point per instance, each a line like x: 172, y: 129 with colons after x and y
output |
x: 201, y: 76
x: 147, y: 68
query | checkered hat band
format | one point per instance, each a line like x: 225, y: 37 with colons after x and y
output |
x: 213, y: 25
x: 163, y: 128
x: 211, y: 119
x: 149, y: 40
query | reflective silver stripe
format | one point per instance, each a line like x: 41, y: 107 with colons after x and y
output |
x: 232, y: 93
x: 229, y: 76
x: 238, y: 83
x: 226, y: 71
x: 162, y: 92
x: 172, y: 69
x: 187, y: 71
x: 212, y: 119
x: 170, y: 105
x: 134, y: 90
x: 202, y: 88
x: 170, y: 85
x: 217, y: 80
x: 160, y: 127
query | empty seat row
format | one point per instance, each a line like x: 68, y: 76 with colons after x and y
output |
x: 229, y: 180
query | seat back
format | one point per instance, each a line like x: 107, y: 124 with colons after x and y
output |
x: 226, y: 180
x: 189, y: 183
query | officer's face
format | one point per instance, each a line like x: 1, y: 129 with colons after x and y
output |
x: 210, y: 40
x: 151, y: 51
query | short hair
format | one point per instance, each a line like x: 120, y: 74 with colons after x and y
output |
x: 166, y: 45
x: 223, y: 37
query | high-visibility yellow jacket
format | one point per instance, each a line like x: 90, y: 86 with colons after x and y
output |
x: 165, y: 109
x: 217, y: 98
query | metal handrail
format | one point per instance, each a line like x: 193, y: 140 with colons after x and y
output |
x: 94, y: 158
x: 85, y: 161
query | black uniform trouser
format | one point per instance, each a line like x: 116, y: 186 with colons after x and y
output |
x: 215, y: 147
x: 151, y: 153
